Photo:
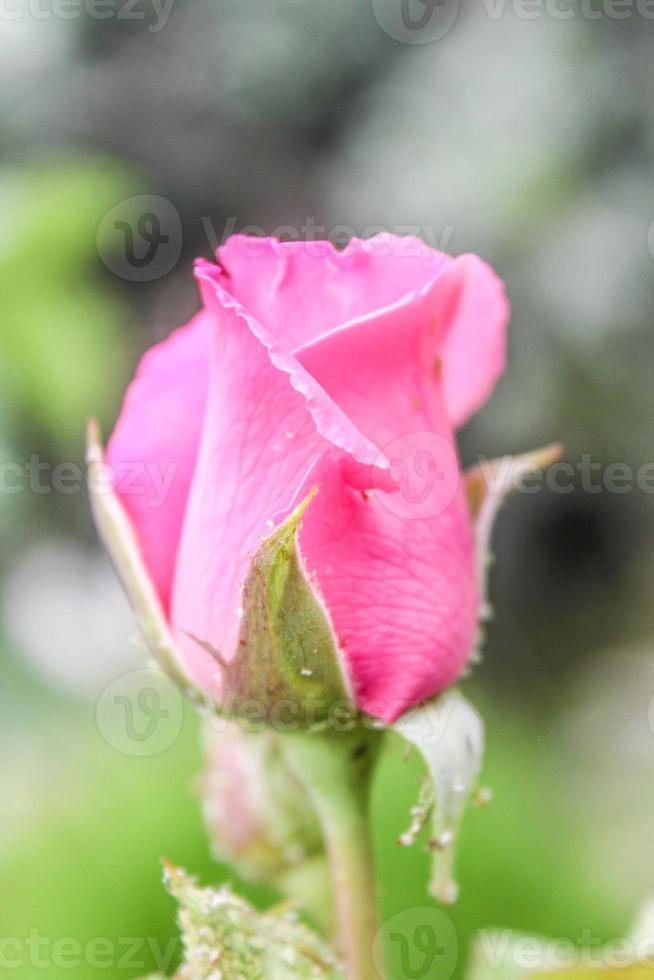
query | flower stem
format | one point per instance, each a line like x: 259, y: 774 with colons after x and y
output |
x: 336, y: 771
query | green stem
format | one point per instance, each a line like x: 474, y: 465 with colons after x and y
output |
x: 336, y: 771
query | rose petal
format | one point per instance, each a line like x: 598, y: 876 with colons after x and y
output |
x: 401, y: 593
x: 394, y: 342
x: 384, y: 370
x: 396, y: 570
x: 299, y: 290
x: 267, y: 421
x: 474, y: 349
x: 153, y: 449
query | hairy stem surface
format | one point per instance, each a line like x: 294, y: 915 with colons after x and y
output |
x: 336, y: 770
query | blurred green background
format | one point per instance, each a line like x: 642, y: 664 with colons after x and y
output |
x: 530, y: 141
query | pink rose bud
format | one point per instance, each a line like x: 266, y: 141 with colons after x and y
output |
x: 287, y: 462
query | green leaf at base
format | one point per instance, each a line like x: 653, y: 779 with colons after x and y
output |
x: 225, y: 937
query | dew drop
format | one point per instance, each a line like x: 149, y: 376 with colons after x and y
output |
x: 443, y: 841
x: 484, y: 796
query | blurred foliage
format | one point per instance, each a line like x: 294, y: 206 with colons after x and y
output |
x: 61, y: 348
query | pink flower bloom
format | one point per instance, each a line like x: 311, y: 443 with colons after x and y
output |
x: 346, y: 371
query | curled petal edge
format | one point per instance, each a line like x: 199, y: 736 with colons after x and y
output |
x: 329, y: 420
x: 119, y: 539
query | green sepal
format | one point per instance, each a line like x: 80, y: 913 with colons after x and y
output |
x: 449, y: 734
x: 287, y: 660
x: 487, y: 486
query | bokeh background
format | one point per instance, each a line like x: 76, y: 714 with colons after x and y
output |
x: 528, y: 140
